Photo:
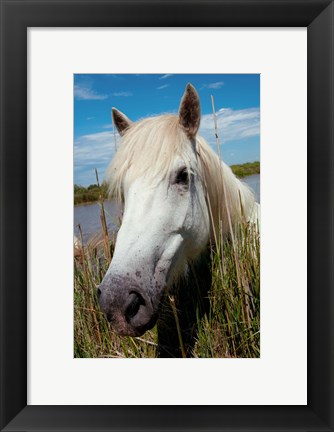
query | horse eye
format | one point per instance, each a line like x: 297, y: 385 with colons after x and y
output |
x: 182, y: 177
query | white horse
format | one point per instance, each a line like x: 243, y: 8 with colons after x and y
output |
x: 177, y: 195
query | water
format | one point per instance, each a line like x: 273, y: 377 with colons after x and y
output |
x: 253, y: 181
x: 88, y: 215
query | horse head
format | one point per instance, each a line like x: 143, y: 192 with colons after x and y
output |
x: 156, y: 174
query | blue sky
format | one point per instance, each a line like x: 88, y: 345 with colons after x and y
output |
x: 237, y: 104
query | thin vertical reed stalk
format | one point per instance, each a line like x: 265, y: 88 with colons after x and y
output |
x: 213, y: 225
x: 83, y: 253
x: 224, y: 187
x: 103, y: 221
x: 179, y: 334
x: 114, y: 133
x: 215, y: 125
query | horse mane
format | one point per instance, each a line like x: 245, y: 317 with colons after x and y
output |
x: 149, y: 148
x: 228, y: 198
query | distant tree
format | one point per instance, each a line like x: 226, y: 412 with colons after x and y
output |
x: 79, y: 189
x: 92, y: 186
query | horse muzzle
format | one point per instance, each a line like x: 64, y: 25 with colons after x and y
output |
x: 125, y: 305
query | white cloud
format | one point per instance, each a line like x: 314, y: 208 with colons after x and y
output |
x: 93, y: 151
x: 85, y: 92
x: 232, y: 125
x: 166, y: 76
x: 123, y: 94
x: 214, y: 86
x: 163, y: 86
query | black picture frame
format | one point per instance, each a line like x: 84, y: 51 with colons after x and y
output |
x: 16, y: 17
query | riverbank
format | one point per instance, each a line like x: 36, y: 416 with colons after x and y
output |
x: 89, y: 195
x: 246, y: 169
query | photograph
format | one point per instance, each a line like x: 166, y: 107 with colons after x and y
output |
x: 166, y: 215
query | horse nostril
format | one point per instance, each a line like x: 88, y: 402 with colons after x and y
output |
x: 134, y: 302
x: 98, y: 293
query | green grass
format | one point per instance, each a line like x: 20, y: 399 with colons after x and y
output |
x: 233, y: 327
x: 230, y: 329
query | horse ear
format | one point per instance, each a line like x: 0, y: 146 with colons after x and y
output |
x: 190, y: 111
x: 120, y: 120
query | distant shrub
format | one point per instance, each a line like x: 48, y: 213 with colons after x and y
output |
x: 89, y: 194
x: 246, y: 169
